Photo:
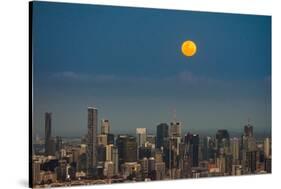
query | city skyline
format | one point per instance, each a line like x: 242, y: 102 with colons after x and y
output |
x: 138, y: 72
x: 102, y: 157
x: 126, y: 94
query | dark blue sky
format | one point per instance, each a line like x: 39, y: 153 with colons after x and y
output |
x: 127, y: 62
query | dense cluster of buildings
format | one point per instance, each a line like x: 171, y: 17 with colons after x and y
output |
x: 102, y: 157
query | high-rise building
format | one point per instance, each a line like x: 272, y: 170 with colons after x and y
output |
x: 48, y: 133
x: 109, y: 152
x: 266, y: 147
x: 120, y: 142
x: 92, y: 137
x: 206, y: 148
x: 58, y: 143
x: 144, y: 166
x: 234, y: 147
x: 195, y: 150
x: 130, y: 149
x: 115, y: 160
x: 248, y: 130
x: 105, y: 127
x: 175, y: 129
x: 141, y: 136
x: 151, y: 164
x: 162, y: 134
x: 251, y: 161
x: 102, y: 139
x: 101, y: 153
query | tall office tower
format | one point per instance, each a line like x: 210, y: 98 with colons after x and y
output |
x: 251, y: 144
x: 58, y: 143
x: 92, y: 137
x: 120, y: 142
x: 102, y: 139
x: 222, y: 138
x: 206, y: 148
x: 109, y: 149
x: 115, y: 159
x: 48, y: 133
x: 101, y: 153
x: 141, y: 136
x: 195, y: 150
x: 248, y: 130
x: 105, y: 127
x: 266, y: 147
x: 162, y: 134
x: 130, y: 149
x: 175, y: 129
x: 251, y: 161
x: 144, y: 166
x: 151, y: 164
x: 234, y: 147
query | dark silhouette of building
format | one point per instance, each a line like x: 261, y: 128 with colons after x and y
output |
x: 120, y: 142
x: 58, y: 143
x: 162, y: 134
x: 195, y: 150
x: 48, y: 133
x: 92, y: 137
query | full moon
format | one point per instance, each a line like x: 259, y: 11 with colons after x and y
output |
x: 188, y: 48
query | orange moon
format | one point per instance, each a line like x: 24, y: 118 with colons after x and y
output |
x: 188, y: 48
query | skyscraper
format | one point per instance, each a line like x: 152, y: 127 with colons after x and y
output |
x: 130, y: 149
x: 248, y: 130
x: 105, y: 128
x: 48, y: 132
x: 92, y: 137
x: 175, y: 129
x: 266, y: 147
x: 141, y: 136
x: 234, y: 147
x: 162, y: 134
x: 120, y: 142
x: 206, y: 148
x: 195, y: 150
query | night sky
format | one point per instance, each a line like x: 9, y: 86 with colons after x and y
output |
x: 127, y: 62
